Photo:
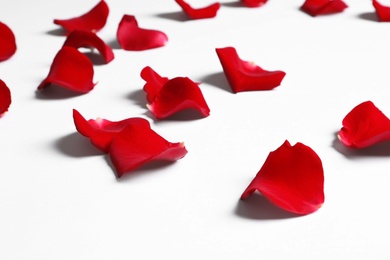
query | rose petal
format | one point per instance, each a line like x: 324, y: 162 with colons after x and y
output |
x: 133, y: 38
x: 71, y: 70
x: 5, y: 98
x: 93, y: 21
x: 167, y: 97
x: 7, y: 42
x: 253, y: 3
x: 292, y: 178
x: 363, y: 126
x: 244, y: 75
x: 322, y: 7
x: 382, y: 11
x: 209, y: 11
x: 78, y: 39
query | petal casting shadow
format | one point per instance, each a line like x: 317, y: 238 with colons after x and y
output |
x: 75, y: 145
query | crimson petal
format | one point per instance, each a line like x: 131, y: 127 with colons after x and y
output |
x: 244, y: 75
x: 199, y: 13
x: 70, y: 69
x: 364, y: 126
x: 322, y: 7
x: 167, y: 97
x: 253, y: 3
x: 5, y: 98
x: 292, y: 178
x: 7, y: 42
x: 383, y: 12
x: 93, y: 21
x: 133, y: 38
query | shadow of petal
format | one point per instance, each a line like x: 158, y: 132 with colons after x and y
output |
x: 76, y: 145
x: 54, y: 92
x: 218, y: 80
x: 57, y: 32
x: 175, y: 16
x: 371, y: 16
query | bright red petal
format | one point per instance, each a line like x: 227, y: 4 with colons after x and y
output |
x: 92, y: 21
x: 292, y: 178
x: 199, y: 13
x: 246, y: 76
x: 364, y: 126
x: 5, y: 98
x: 253, y: 3
x: 78, y: 39
x: 133, y: 38
x: 382, y: 11
x: 154, y: 83
x: 322, y: 7
x: 71, y: 70
x: 7, y: 42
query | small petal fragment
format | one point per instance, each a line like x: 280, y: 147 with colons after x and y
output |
x: 382, y: 11
x: 5, y: 98
x: 7, y: 42
x: 323, y: 7
x: 199, y: 13
x: 363, y: 126
x: 253, y: 3
x: 133, y: 38
x: 71, y: 70
x: 292, y: 178
x: 244, y: 75
x: 92, y: 21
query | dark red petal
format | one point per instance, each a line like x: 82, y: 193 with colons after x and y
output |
x: 244, y: 75
x: 78, y: 39
x: 5, y: 98
x: 364, y: 126
x: 133, y: 38
x: 383, y: 12
x: 292, y: 178
x: 7, y: 42
x: 253, y: 3
x: 137, y: 145
x: 322, y: 7
x: 72, y: 70
x: 154, y: 83
x: 199, y: 13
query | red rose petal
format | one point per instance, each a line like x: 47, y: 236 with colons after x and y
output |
x: 7, y: 42
x: 5, y: 98
x: 133, y: 38
x: 199, y: 13
x: 78, y: 39
x: 322, y: 7
x: 253, y: 3
x: 167, y: 97
x: 383, y: 12
x: 92, y: 21
x: 292, y: 178
x: 364, y: 126
x: 244, y: 75
x: 72, y: 70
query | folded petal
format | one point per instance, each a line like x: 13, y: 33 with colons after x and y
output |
x: 363, y: 126
x: 209, y: 11
x: 7, y: 42
x: 71, y: 70
x: 154, y: 83
x: 133, y: 38
x: 5, y: 98
x: 253, y: 3
x: 292, y: 178
x: 244, y: 75
x: 92, y: 21
x: 322, y: 7
x: 382, y: 11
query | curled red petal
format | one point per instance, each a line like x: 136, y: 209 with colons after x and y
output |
x: 86, y: 39
x: 133, y: 38
x: 209, y: 11
x: 71, y: 70
x: 322, y: 7
x: 253, y: 3
x: 7, y: 42
x: 167, y: 97
x: 364, y: 126
x: 93, y: 21
x: 382, y: 11
x: 292, y: 178
x: 5, y: 98
x: 244, y: 75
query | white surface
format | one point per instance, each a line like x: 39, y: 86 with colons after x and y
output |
x: 60, y: 199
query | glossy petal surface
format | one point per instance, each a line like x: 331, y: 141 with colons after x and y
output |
x: 323, y: 7
x: 292, y: 178
x: 253, y: 3
x: 5, y: 98
x: 7, y: 42
x: 382, y: 11
x: 209, y: 11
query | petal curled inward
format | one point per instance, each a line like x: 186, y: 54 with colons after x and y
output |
x: 209, y: 11
x: 71, y: 70
x: 133, y: 38
x: 292, y: 178
x: 167, y: 97
x: 253, y: 3
x: 7, y: 42
x: 382, y: 11
x: 323, y: 7
x: 92, y: 21
x: 5, y: 98
x: 244, y: 75
x: 363, y: 126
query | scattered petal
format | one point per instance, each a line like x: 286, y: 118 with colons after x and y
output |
x: 253, y: 3
x: 167, y: 97
x: 7, y: 42
x: 244, y: 75
x: 199, y: 13
x: 323, y: 7
x: 133, y: 38
x: 292, y: 178
x: 92, y: 21
x: 5, y: 98
x: 383, y: 12
x: 71, y: 70
x: 363, y: 126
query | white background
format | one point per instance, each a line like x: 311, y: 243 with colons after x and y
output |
x: 60, y: 198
